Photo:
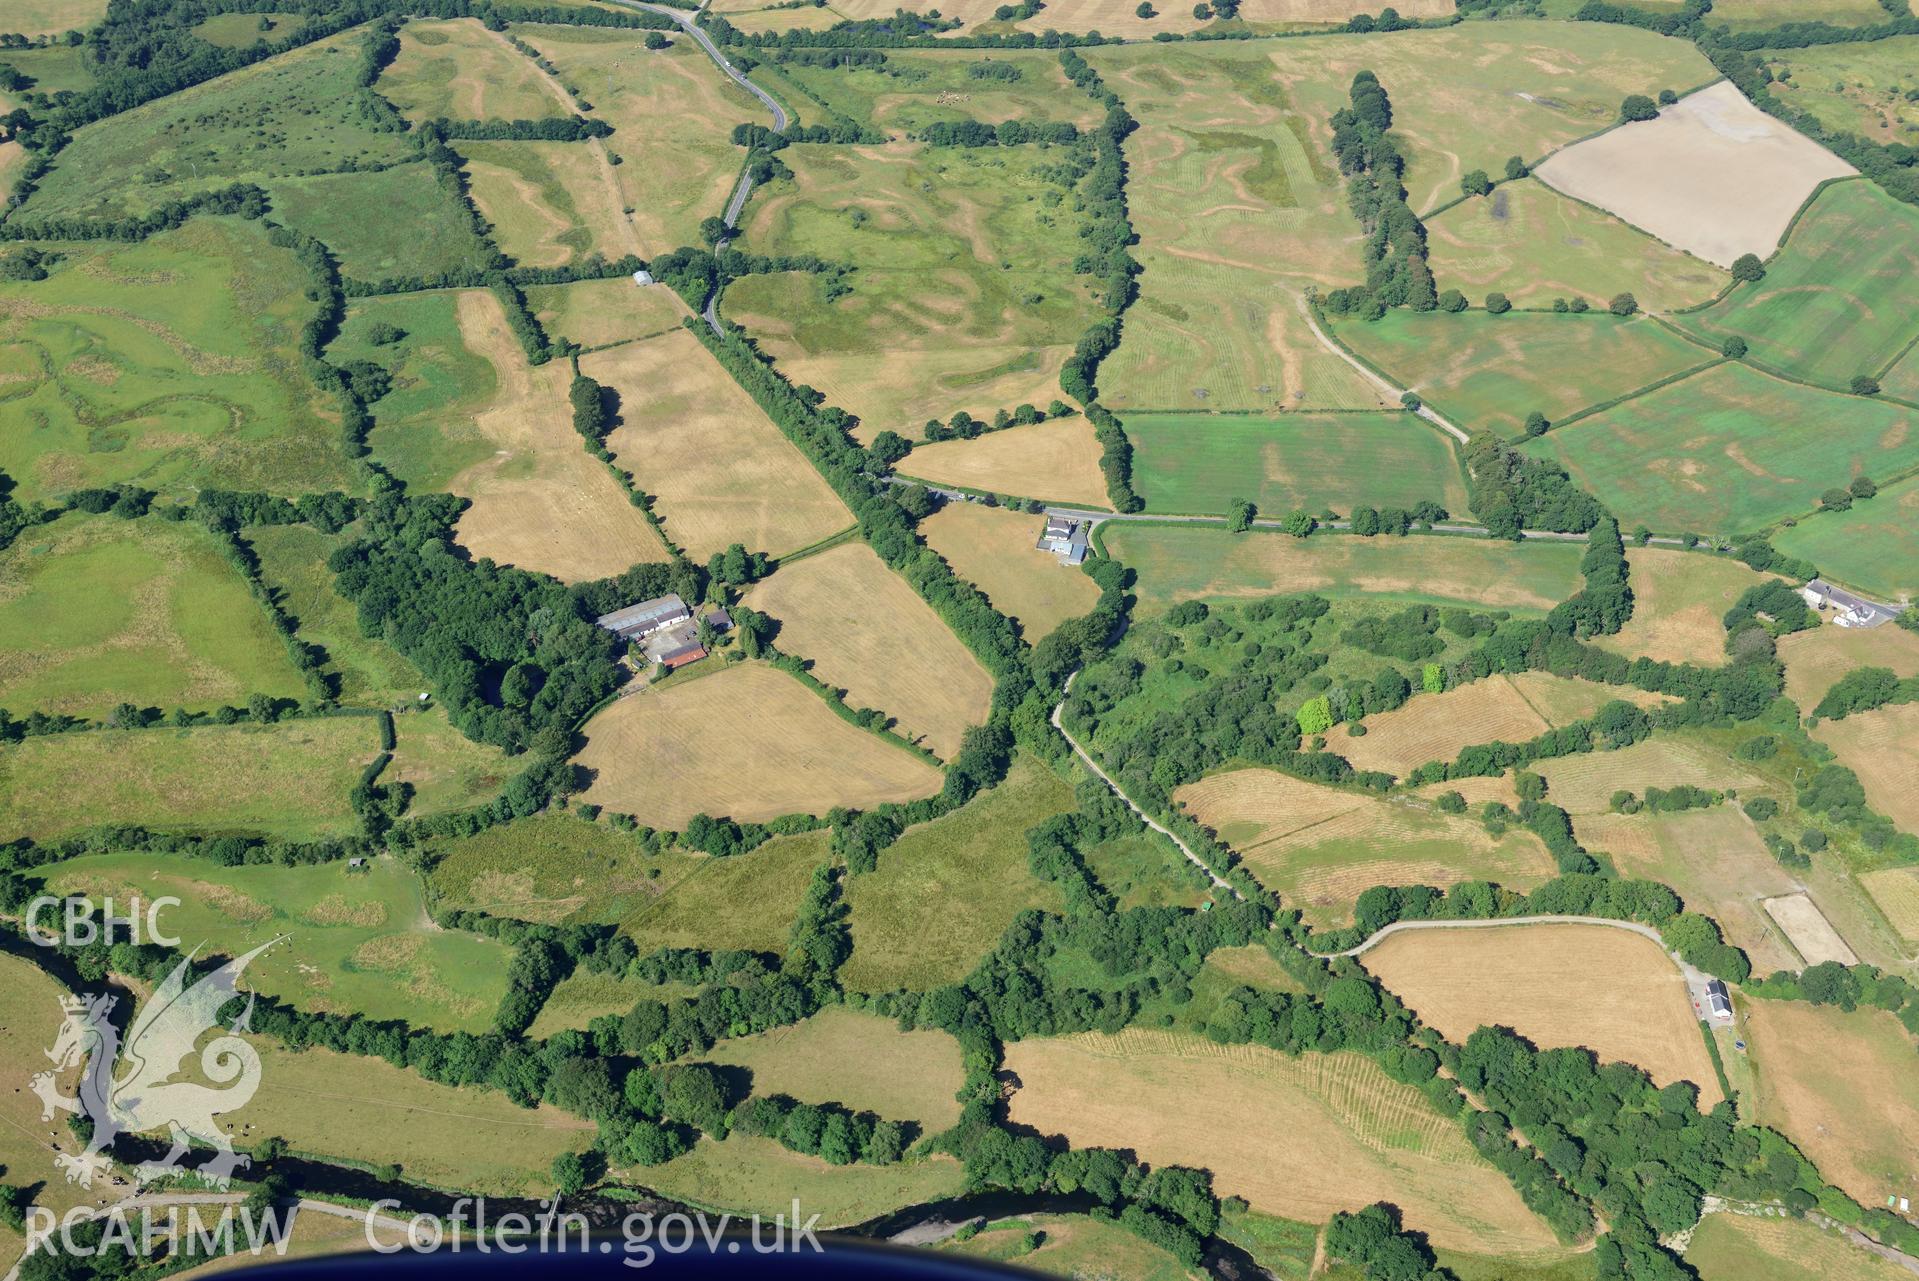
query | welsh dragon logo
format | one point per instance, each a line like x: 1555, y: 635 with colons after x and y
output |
x: 130, y: 1089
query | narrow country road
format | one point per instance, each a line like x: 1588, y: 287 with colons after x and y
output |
x: 1424, y: 411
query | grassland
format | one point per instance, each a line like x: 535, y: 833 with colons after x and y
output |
x: 1882, y: 747
x: 865, y: 631
x: 13, y: 158
x: 1318, y: 848
x: 243, y: 30
x: 1176, y: 564
x: 1730, y: 449
x: 554, y: 869
x: 656, y: 755
x: 52, y: 17
x: 462, y: 71
x: 95, y: 612
x: 1203, y: 463
x: 594, y: 313
x: 1762, y: 14
x: 1895, y: 891
x: 1056, y: 461
x: 1533, y: 244
x: 30, y: 1018
x: 963, y: 279
x: 1611, y: 991
x: 1830, y: 304
x: 1071, y: 1246
x: 1112, y: 17
x: 747, y: 902
x: 717, y: 468
x: 1144, y: 870
x: 754, y: 1175
x: 293, y: 563
x: 584, y: 996
x: 1712, y: 175
x: 1490, y: 372
x: 1816, y: 659
x: 917, y: 88
x: 1731, y: 1247
x: 1298, y: 1137
x: 1584, y: 784
x: 1902, y: 379
x: 1435, y: 727
x: 992, y: 548
x: 298, y: 113
x: 446, y: 769
x: 1841, y: 1086
x: 1680, y: 601
x: 547, y: 202
x: 397, y: 222
x: 945, y: 892
x: 354, y: 940
x: 668, y: 179
x: 289, y: 779
x: 860, y: 1061
x: 172, y: 364
x: 1857, y: 88
x: 1874, y: 546
x: 423, y: 430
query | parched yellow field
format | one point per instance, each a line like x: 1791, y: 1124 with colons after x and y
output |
x: 718, y: 470
x: 1679, y: 600
x: 992, y: 548
x: 594, y: 313
x: 748, y: 742
x: 30, y: 1020
x: 1811, y: 933
x: 1737, y: 1247
x: 1434, y: 727
x: 51, y: 17
x: 1842, y: 1087
x: 866, y: 632
x: 1882, y: 748
x: 667, y: 179
x: 1584, y: 784
x: 1055, y: 461
x: 1612, y: 991
x: 860, y: 1061
x: 1816, y: 659
x: 753, y: 1175
x: 541, y: 502
x: 1563, y: 700
x: 460, y: 70
x: 1298, y: 1137
x: 12, y: 156
x: 1117, y: 18
x: 549, y: 203
x: 1896, y: 891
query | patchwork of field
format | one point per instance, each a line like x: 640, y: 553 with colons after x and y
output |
x: 860, y: 1061
x: 864, y: 630
x: 1857, y: 88
x: 916, y: 88
x: 289, y: 779
x: 1713, y: 175
x: 1611, y: 991
x: 1680, y: 601
x: 95, y: 612
x: 1299, y: 1137
x: 946, y: 891
x: 1490, y: 372
x: 963, y: 278
x: 539, y: 501
x: 1319, y: 848
x: 1584, y: 784
x: 461, y: 71
x: 1874, y: 546
x: 293, y: 563
x: 172, y: 363
x: 1841, y: 1086
x: 719, y: 472
x: 1534, y: 245
x: 549, y: 203
x: 294, y: 114
x: 992, y: 548
x: 1816, y: 659
x: 746, y: 902
x: 661, y: 756
x: 1437, y: 727
x: 1056, y: 461
x: 1730, y: 449
x: 1205, y: 462
x: 1176, y: 564
x: 52, y: 17
x: 754, y: 1175
x: 397, y: 222
x: 1733, y: 1247
x: 596, y: 313
x: 554, y: 869
x: 1831, y: 304
x: 1882, y: 748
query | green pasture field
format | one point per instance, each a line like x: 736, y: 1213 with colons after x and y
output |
x: 555, y: 869
x: 1730, y: 449
x: 1734, y: 1247
x: 294, y: 114
x: 859, y: 1060
x: 422, y: 428
x: 293, y: 562
x: 447, y: 770
x: 752, y: 1175
x: 1284, y: 1247
x: 96, y: 611
x: 748, y: 901
x: 945, y: 892
x: 1836, y: 301
x: 1178, y: 563
x: 1761, y: 15
x: 1902, y: 380
x: 1859, y: 87
x: 50, y: 17
x: 1071, y: 1246
x: 356, y: 940
x: 1873, y: 547
x: 1488, y: 372
x: 172, y: 364
x: 289, y: 780
x: 461, y: 71
x: 1204, y: 462
x: 540, y: 199
x: 584, y: 996
x: 396, y: 222
x: 1534, y: 245
x: 54, y: 68
x: 1144, y: 870
x: 916, y: 88
x: 243, y: 30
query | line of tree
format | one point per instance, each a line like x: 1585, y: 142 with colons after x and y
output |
x: 1512, y: 492
x: 1394, y: 249
x: 1007, y: 133
x: 556, y: 129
